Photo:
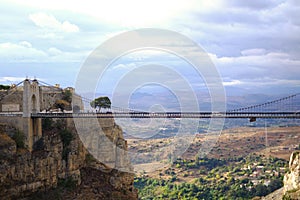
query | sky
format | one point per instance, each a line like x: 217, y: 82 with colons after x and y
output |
x: 255, y: 45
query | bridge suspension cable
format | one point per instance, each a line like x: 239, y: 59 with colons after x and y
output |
x: 285, y: 103
x: 10, y: 91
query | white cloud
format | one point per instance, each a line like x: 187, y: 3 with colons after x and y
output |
x: 25, y: 52
x: 233, y: 82
x: 6, y: 80
x: 124, y: 66
x: 54, y: 51
x: 130, y: 13
x: 256, y: 58
x: 258, y: 67
x: 26, y: 44
x: 50, y: 36
x: 50, y: 22
x: 253, y: 52
x: 15, y: 80
x: 21, y: 52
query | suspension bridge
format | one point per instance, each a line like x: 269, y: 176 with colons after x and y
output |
x: 282, y: 108
x: 24, y: 105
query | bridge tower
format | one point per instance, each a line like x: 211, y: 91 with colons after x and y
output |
x: 31, y: 104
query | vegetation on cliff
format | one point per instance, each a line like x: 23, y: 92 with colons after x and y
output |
x: 19, y: 138
x: 4, y: 87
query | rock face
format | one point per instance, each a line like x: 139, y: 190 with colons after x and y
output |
x: 111, y: 185
x: 8, y: 147
x: 292, y: 178
x: 56, y: 158
x: 23, y: 173
x: 104, y: 140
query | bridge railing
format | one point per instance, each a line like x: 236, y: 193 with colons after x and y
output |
x: 11, y: 114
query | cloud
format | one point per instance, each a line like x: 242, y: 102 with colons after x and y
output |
x: 25, y: 44
x: 11, y: 79
x: 126, y: 67
x: 233, y: 27
x: 52, y: 51
x: 49, y: 22
x: 22, y: 52
x: 250, y: 41
x: 256, y: 67
x: 233, y: 82
x: 253, y: 52
x: 255, y: 4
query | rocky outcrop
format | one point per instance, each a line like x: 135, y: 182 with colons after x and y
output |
x: 292, y: 178
x: 8, y: 147
x: 57, y: 158
x: 104, y: 140
x: 23, y: 173
x: 277, y: 195
x: 110, y: 185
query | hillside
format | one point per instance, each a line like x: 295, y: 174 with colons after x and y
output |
x: 244, y: 163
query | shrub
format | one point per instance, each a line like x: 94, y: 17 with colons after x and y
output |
x: 47, y: 124
x: 39, y: 145
x: 4, y: 87
x: 68, y: 183
x: 66, y: 137
x: 19, y: 138
x: 89, y: 159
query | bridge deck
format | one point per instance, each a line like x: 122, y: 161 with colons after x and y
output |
x: 286, y: 115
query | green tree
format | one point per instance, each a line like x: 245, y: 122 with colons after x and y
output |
x: 261, y: 190
x: 67, y: 96
x: 101, y: 102
x: 47, y: 124
x: 62, y: 104
x: 274, y: 185
x: 66, y: 137
x: 4, y: 87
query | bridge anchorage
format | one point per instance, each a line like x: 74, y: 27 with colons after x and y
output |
x: 23, y: 106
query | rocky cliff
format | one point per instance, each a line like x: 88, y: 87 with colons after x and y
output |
x: 292, y: 178
x: 59, y: 166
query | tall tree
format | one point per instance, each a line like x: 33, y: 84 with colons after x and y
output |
x: 101, y: 102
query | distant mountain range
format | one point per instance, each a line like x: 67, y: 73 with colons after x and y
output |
x: 162, y: 101
x: 146, y: 101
